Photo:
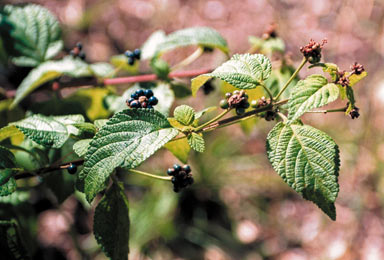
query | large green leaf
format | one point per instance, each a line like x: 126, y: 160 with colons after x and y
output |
x: 49, y: 131
x: 308, y: 160
x: 128, y: 139
x: 243, y: 71
x: 31, y: 34
x: 201, y: 36
x: 7, y: 163
x: 11, y: 244
x: 48, y: 71
x: 313, y: 92
x: 81, y: 147
x: 111, y: 223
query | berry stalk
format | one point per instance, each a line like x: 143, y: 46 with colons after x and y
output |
x: 164, y: 178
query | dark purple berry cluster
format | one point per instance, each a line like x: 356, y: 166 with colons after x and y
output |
x: 354, y: 113
x: 182, y: 176
x: 237, y: 99
x: 312, y: 51
x: 142, y: 98
x: 357, y: 68
x: 77, y: 51
x: 133, y: 55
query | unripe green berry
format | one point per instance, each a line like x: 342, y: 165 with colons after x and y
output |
x: 224, y: 104
x: 254, y: 104
x: 240, y: 110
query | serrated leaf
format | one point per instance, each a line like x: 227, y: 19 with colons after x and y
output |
x: 7, y: 163
x: 128, y: 139
x: 184, y: 114
x: 179, y: 148
x: 32, y: 34
x: 99, y: 123
x: 11, y: 244
x: 48, y: 71
x: 196, y: 141
x: 313, y: 92
x: 201, y: 36
x: 111, y: 223
x: 149, y: 47
x: 52, y: 131
x: 81, y: 147
x: 243, y: 71
x: 308, y: 160
x: 332, y: 69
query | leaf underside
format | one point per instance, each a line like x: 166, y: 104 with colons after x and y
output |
x: 196, y: 142
x: 308, y: 160
x: 128, y: 139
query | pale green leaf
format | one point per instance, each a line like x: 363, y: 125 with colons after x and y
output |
x: 196, y: 141
x: 149, y: 47
x: 102, y: 69
x: 180, y: 149
x: 31, y: 34
x: 9, y: 131
x: 308, y: 160
x: 48, y: 71
x: 354, y: 78
x: 81, y: 147
x: 313, y: 92
x: 128, y: 139
x: 201, y: 36
x: 243, y: 71
x: 332, y: 69
x: 184, y: 114
x: 111, y: 223
x: 204, y: 111
x: 49, y: 131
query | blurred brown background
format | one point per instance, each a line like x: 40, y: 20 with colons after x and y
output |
x: 266, y: 217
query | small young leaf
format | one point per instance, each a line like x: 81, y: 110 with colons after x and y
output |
x: 149, y: 47
x: 308, y: 161
x: 196, y: 141
x: 176, y: 124
x: 267, y: 46
x: 48, y: 71
x: 31, y: 34
x: 184, y: 114
x: 201, y: 36
x: 313, y: 92
x: 81, y: 147
x: 243, y: 71
x: 332, y: 69
x: 111, y: 223
x: 7, y: 162
x: 353, y: 79
x: 128, y: 139
x: 11, y: 244
x: 179, y: 148
x: 49, y: 131
x: 9, y: 131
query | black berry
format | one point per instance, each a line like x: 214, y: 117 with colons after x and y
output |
x: 148, y: 93
x: 137, y: 54
x: 177, y: 167
x: 182, y: 176
x: 72, y: 168
x: 131, y: 61
x: 79, y: 45
x: 153, y: 101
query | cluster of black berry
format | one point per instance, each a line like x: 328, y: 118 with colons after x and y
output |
x: 354, y: 113
x: 312, y: 51
x: 182, y: 176
x: 133, y: 55
x: 237, y: 99
x: 77, y: 51
x: 142, y: 98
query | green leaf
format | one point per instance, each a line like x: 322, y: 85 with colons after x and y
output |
x: 11, y: 244
x: 128, y: 139
x: 111, y: 223
x: 99, y: 123
x: 184, y: 114
x: 176, y: 124
x: 243, y: 71
x: 332, y: 69
x: 81, y: 147
x: 160, y: 68
x: 181, y: 90
x: 7, y: 163
x: 180, y: 149
x: 102, y: 69
x: 278, y: 79
x: 267, y: 46
x: 196, y: 141
x: 204, y: 111
x: 31, y: 34
x: 201, y: 36
x: 49, y: 131
x: 149, y: 47
x: 48, y: 71
x: 313, y: 92
x: 9, y: 131
x: 353, y: 79
x: 308, y: 160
